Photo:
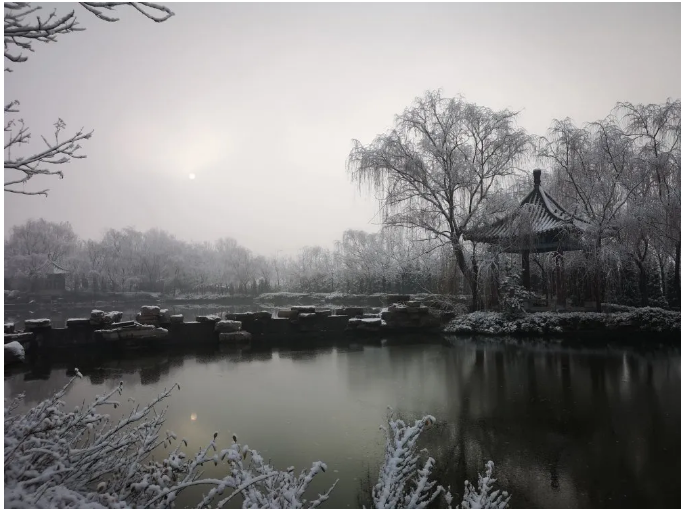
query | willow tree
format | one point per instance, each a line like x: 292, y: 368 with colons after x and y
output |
x: 439, y: 168
x: 655, y: 131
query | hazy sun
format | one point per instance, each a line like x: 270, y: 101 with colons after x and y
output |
x: 191, y: 176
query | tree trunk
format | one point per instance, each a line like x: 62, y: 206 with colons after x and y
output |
x: 561, y: 284
x: 642, y: 283
x: 677, y: 274
x: 474, y: 283
x: 598, y: 278
x: 525, y: 265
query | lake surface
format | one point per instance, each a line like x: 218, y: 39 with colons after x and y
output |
x: 566, y: 427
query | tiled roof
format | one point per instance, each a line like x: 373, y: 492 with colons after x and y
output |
x: 546, y: 215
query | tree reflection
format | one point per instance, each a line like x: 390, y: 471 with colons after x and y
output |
x: 553, y: 411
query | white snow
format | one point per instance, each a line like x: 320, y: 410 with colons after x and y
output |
x: 14, y: 348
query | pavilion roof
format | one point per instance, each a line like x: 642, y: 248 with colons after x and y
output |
x: 547, y: 218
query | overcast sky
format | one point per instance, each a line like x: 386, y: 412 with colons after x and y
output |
x: 261, y: 101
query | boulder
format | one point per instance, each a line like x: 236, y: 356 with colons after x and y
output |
x: 303, y: 309
x: 150, y: 310
x: 352, y: 312
x: 176, y: 319
x: 397, y: 298
x: 128, y: 323
x: 9, y: 328
x: 287, y: 313
x: 235, y: 337
x: 207, y: 318
x: 73, y: 322
x: 39, y: 323
x: 19, y: 336
x: 147, y: 319
x: 224, y: 326
x: 14, y: 352
x: 262, y: 316
x: 134, y: 332
x: 353, y: 323
x: 113, y: 317
x: 336, y: 322
x: 370, y: 324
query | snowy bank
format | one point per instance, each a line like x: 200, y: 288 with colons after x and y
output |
x: 646, y: 320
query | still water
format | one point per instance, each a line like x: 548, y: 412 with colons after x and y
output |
x: 566, y: 427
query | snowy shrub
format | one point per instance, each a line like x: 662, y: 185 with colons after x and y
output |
x: 637, y: 319
x: 82, y: 459
x: 485, y: 497
x: 401, y: 484
x: 512, y: 296
x: 405, y: 482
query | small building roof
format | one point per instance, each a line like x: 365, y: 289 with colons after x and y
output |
x: 56, y: 269
x: 551, y: 225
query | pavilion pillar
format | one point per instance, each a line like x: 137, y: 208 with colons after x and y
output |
x: 559, y: 268
x: 525, y: 265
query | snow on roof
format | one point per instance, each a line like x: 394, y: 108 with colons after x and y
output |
x: 56, y: 269
x: 546, y: 216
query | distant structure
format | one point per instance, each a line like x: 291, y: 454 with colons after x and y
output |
x: 540, y: 224
x: 53, y: 282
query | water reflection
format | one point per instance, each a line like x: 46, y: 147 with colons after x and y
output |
x: 565, y: 427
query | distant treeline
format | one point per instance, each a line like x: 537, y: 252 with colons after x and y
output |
x: 128, y: 260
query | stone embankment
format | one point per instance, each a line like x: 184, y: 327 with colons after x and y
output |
x: 154, y: 326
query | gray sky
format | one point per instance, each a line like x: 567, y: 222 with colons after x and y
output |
x: 261, y: 102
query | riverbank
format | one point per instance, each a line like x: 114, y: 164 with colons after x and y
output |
x: 642, y: 320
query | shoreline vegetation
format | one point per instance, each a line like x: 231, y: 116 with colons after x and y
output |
x: 549, y: 323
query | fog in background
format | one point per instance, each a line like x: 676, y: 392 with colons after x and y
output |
x: 261, y: 101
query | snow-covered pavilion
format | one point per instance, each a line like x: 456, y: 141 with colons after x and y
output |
x: 540, y: 224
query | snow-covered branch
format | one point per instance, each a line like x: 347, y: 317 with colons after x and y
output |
x: 57, y: 152
x: 405, y: 481
x: 21, y: 31
x: 81, y: 458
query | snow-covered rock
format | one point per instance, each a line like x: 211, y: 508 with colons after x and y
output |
x: 77, y: 321
x: 225, y: 326
x: 150, y: 310
x: 37, y: 323
x: 207, y: 318
x: 14, y: 352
